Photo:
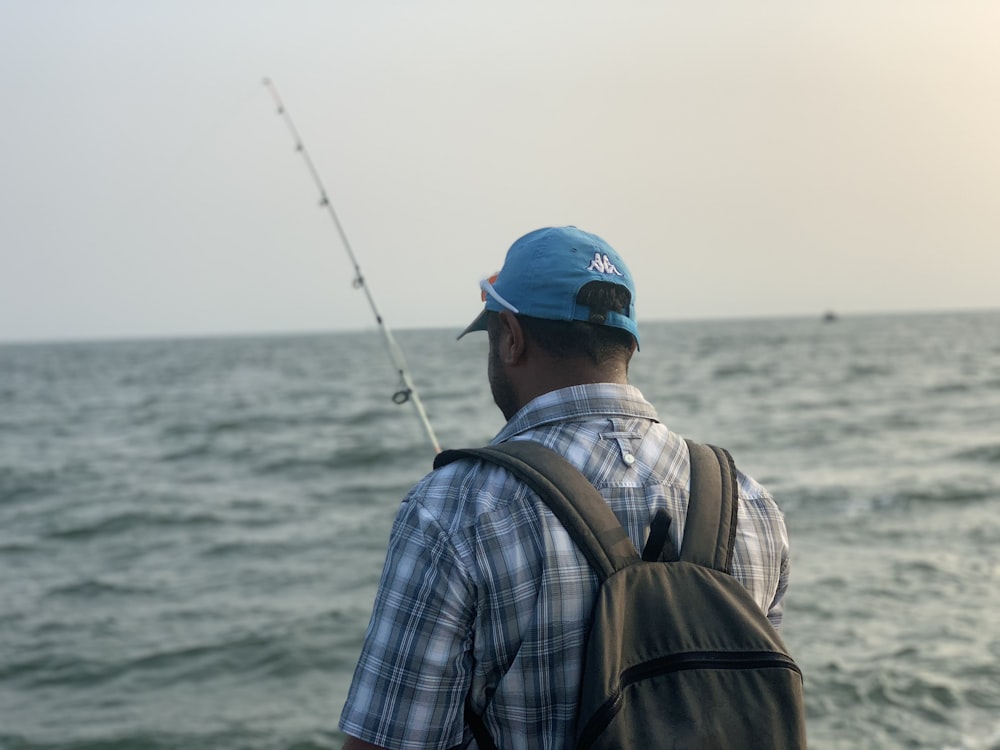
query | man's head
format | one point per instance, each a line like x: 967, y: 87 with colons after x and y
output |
x: 544, y: 273
x: 560, y: 312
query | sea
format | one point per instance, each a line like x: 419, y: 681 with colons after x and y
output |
x: 192, y: 530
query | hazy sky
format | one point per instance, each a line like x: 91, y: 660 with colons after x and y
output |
x: 747, y: 159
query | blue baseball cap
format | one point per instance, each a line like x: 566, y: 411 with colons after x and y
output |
x: 545, y: 270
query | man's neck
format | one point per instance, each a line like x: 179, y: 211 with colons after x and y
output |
x: 548, y: 374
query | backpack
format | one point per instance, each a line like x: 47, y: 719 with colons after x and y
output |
x: 678, y: 654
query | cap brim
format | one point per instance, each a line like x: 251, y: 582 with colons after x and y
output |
x: 479, y: 324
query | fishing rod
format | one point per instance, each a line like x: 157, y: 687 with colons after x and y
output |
x: 407, y: 391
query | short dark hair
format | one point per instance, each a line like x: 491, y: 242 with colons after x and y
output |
x: 567, y: 339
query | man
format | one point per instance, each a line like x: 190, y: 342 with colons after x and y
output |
x: 484, y: 598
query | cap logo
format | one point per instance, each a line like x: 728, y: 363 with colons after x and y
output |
x: 603, y: 264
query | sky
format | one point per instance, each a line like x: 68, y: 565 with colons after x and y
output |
x: 747, y: 159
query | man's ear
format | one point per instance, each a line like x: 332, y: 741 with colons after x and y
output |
x: 512, y: 338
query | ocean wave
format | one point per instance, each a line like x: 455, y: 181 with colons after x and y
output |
x: 736, y: 370
x: 263, y: 550
x: 302, y: 467
x: 23, y: 479
x: 989, y: 454
x: 360, y: 452
x: 957, y: 386
x: 201, y: 450
x: 285, y: 650
x: 867, y: 371
x: 18, y: 547
x: 949, y: 493
x: 206, y: 426
x: 844, y: 500
x: 18, y: 484
x: 91, y: 589
x: 883, y: 704
x: 233, y: 738
x: 123, y: 523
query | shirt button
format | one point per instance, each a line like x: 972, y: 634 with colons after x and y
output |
x: 628, y: 458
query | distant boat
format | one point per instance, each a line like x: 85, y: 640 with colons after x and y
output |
x: 829, y: 317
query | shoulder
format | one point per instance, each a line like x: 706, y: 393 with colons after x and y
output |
x: 760, y: 515
x: 460, y: 492
x: 755, y: 496
x: 750, y: 488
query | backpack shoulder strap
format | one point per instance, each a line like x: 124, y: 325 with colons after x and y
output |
x: 710, y: 530
x: 568, y: 494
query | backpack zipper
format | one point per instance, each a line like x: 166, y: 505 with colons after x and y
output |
x: 680, y: 663
x: 707, y: 660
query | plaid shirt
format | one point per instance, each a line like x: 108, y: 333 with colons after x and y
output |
x: 484, y: 591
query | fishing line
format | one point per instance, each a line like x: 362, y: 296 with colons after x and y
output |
x: 407, y: 391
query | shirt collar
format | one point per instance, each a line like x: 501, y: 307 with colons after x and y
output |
x: 588, y: 400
